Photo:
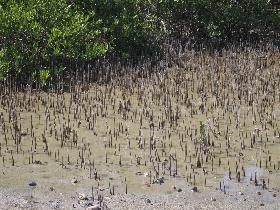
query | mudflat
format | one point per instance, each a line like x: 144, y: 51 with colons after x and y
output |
x: 203, y: 134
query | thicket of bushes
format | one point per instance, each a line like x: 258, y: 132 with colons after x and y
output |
x: 38, y: 36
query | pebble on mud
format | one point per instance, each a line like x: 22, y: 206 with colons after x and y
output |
x: 159, y: 180
x: 179, y: 190
x: 213, y: 199
x: 74, y: 181
x: 194, y: 189
x: 32, y: 184
x: 37, y: 162
x: 146, y: 174
x: 82, y: 196
x: 148, y: 201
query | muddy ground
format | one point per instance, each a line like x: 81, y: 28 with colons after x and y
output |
x: 211, y: 122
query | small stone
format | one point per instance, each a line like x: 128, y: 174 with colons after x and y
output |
x: 194, y: 189
x: 179, y: 190
x: 213, y: 199
x: 274, y: 195
x: 240, y: 193
x: 37, y: 162
x: 95, y: 207
x: 82, y: 196
x: 74, y: 181
x: 148, y: 201
x: 51, y: 189
x: 261, y: 204
x: 32, y: 184
x: 259, y: 193
x: 159, y: 180
x: 146, y: 174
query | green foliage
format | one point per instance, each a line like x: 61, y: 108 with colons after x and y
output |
x: 44, y: 76
x: 128, y: 25
x: 4, y: 64
x: 228, y: 19
x: 36, y: 34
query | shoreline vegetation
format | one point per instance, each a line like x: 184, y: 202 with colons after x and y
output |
x: 203, y: 133
x: 41, y: 40
x: 139, y: 104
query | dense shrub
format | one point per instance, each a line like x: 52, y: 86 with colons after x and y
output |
x: 38, y: 36
x: 33, y: 33
x: 131, y: 26
x: 225, y: 19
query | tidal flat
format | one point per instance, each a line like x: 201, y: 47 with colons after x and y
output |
x: 205, y: 131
